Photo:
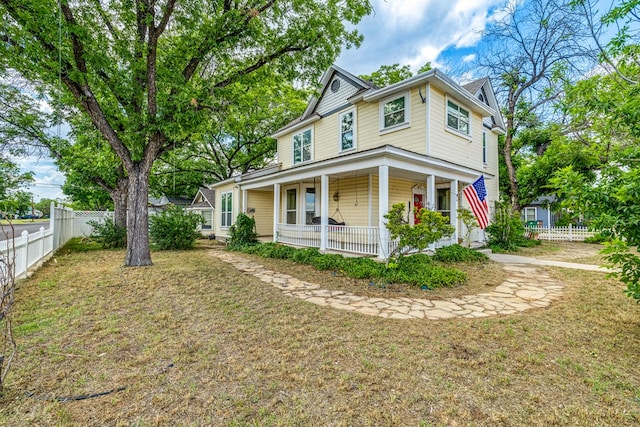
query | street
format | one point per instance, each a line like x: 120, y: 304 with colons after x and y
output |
x: 7, y: 231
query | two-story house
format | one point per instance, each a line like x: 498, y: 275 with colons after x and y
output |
x: 357, y: 150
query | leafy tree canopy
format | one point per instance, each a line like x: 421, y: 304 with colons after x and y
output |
x: 387, y: 75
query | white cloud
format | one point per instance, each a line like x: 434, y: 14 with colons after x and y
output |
x: 419, y: 31
x: 469, y: 58
x: 48, y: 179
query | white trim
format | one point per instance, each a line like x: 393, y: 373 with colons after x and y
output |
x: 353, y: 129
x: 407, y: 112
x: 293, y: 158
x: 285, y: 210
x: 428, y: 113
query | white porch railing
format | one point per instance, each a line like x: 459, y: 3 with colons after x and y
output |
x: 567, y: 234
x: 299, y: 235
x: 358, y: 240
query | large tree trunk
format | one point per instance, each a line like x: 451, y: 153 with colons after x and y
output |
x: 138, y: 253
x: 511, y: 171
x: 119, y: 196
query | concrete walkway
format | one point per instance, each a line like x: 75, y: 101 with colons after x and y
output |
x: 517, y: 259
x: 525, y: 288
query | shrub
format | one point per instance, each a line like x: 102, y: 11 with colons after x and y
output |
x: 457, y: 253
x: 305, y: 256
x: 174, y: 228
x: 598, y: 238
x: 108, y: 234
x: 328, y: 262
x: 507, y: 229
x: 362, y: 268
x: 242, y: 232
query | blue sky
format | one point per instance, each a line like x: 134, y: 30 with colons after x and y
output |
x: 407, y: 32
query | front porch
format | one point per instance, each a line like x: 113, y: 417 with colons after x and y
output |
x: 339, y: 205
x: 359, y: 240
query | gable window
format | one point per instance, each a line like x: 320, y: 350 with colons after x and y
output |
x: 394, y: 112
x: 302, y: 146
x: 457, y: 118
x: 227, y: 203
x: 484, y: 148
x: 347, y: 130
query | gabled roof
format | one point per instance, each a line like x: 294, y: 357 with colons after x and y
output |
x: 205, y: 197
x: 362, y: 90
x: 482, y: 89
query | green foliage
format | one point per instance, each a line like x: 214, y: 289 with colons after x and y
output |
x: 598, y: 238
x: 78, y: 244
x: 618, y: 253
x: 470, y: 223
x: 387, y: 75
x: 457, y: 253
x: 416, y: 269
x: 506, y: 232
x: 174, y: 228
x: 242, y: 232
x: 432, y: 227
x: 108, y: 234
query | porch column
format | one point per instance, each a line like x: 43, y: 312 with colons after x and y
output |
x: 431, y: 199
x: 431, y: 192
x: 324, y: 211
x: 244, y: 201
x: 453, y: 215
x: 276, y: 210
x: 383, y: 208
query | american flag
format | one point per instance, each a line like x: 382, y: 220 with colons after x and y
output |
x: 476, y: 195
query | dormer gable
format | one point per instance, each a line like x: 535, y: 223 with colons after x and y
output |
x: 483, y: 91
x: 337, y: 86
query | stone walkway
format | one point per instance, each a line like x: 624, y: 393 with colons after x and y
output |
x: 526, y: 288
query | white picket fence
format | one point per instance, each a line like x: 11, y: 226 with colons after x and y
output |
x: 566, y: 234
x: 28, y: 251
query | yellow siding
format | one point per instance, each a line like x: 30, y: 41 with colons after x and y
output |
x: 447, y: 145
x: 262, y: 204
x: 325, y: 143
x: 412, y: 138
x: 220, y: 232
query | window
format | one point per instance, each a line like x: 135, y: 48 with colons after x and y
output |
x: 443, y: 201
x: 291, y: 212
x: 347, y: 130
x: 484, y: 148
x: 310, y: 205
x: 226, y: 209
x: 528, y: 214
x: 208, y: 220
x: 457, y: 118
x: 302, y: 146
x: 394, y: 112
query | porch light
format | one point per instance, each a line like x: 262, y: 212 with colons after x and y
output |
x: 336, y: 196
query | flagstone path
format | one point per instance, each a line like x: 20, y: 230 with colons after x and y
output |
x: 525, y: 288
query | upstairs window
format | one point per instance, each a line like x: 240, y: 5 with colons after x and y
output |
x: 347, y: 130
x: 302, y: 146
x: 394, y: 112
x: 457, y: 118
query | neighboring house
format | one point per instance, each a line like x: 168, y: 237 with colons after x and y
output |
x: 159, y: 204
x: 539, y: 210
x: 204, y: 204
x: 358, y: 149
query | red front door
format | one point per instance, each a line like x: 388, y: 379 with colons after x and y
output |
x: 418, y: 203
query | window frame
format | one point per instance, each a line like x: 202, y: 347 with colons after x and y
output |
x: 407, y: 112
x: 226, y: 222
x: 287, y: 210
x: 484, y: 148
x: 354, y: 126
x: 207, y: 225
x: 450, y: 128
x: 524, y: 213
x: 293, y: 147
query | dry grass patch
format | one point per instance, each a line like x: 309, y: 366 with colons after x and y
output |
x: 578, y: 252
x: 195, y: 342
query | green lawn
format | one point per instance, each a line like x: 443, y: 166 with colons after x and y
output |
x: 195, y: 342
